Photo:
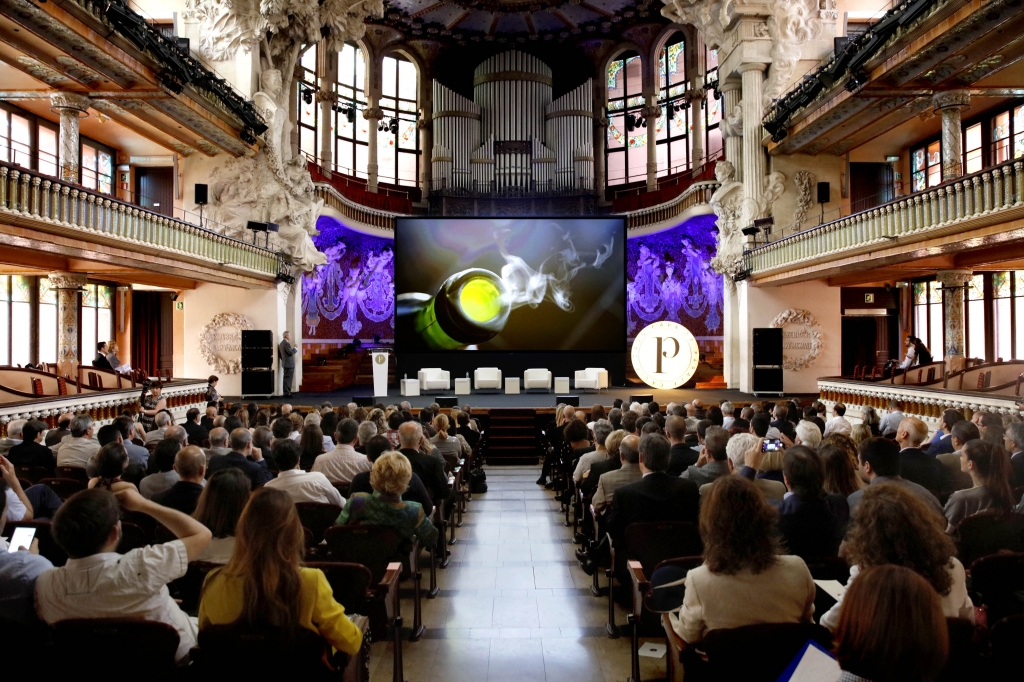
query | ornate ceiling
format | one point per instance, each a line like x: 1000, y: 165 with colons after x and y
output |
x: 464, y: 22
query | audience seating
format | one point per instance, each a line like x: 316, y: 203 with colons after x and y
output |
x: 987, y: 533
x: 434, y: 379
x: 487, y: 378
x: 998, y: 583
x: 1005, y: 640
x: 537, y: 379
x: 124, y: 644
x: 32, y: 474
x: 189, y: 587
x: 964, y: 661
x: 317, y: 517
x: 63, y: 487
x: 132, y: 537
x: 75, y: 473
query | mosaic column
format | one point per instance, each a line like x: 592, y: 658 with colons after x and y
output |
x: 651, y: 113
x: 753, y: 151
x: 697, y: 98
x: 70, y: 107
x: 730, y: 89
x: 953, y: 283
x: 949, y: 105
x: 68, y: 287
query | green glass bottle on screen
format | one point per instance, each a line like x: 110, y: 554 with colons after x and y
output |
x: 471, y: 307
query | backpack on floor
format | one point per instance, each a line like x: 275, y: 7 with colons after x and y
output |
x: 477, y: 482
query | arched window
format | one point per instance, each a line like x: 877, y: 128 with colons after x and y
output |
x: 351, y: 130
x: 627, y: 140
x: 712, y: 108
x: 397, y: 141
x: 308, y: 106
x: 674, y: 135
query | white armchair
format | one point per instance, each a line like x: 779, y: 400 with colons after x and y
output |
x: 592, y: 377
x: 487, y: 377
x: 537, y: 378
x: 434, y: 379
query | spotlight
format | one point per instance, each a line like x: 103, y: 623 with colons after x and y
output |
x: 750, y: 230
x: 307, y: 96
x: 351, y: 115
x: 285, y: 277
x: 740, y: 276
x: 394, y: 126
x: 247, y: 136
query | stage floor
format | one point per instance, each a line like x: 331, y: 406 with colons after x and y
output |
x: 533, y: 399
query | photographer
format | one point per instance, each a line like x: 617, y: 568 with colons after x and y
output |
x: 152, y: 404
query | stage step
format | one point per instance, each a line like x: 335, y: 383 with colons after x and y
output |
x: 512, y: 437
x: 716, y: 382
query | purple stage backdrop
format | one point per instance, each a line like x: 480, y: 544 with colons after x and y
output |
x: 353, y: 295
x: 669, y: 277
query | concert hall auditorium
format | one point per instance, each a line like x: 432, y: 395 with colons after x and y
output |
x: 492, y: 340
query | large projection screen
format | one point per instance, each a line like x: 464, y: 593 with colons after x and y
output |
x: 521, y: 284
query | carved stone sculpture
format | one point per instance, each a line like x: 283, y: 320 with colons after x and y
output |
x: 727, y: 203
x: 804, y: 181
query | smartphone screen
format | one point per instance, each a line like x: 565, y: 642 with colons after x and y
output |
x: 771, y: 445
x: 22, y: 538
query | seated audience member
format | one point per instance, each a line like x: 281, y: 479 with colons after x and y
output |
x: 394, y: 421
x: 807, y: 434
x: 713, y: 461
x: 744, y: 580
x: 629, y: 422
x: 891, y: 525
x: 31, y: 451
x: 1013, y: 441
x: 577, y: 440
x: 891, y: 421
x: 879, y: 462
x: 989, y: 469
x: 943, y: 442
x: 465, y: 429
x: 311, y: 445
x: 301, y: 486
x: 736, y: 450
x: 860, y: 432
x: 100, y: 361
x: 364, y: 433
x: 219, y: 440
x: 960, y: 435
x: 602, y: 429
x: 162, y: 420
x: 760, y: 426
x: 629, y: 472
x: 915, y: 465
x: 812, y: 522
x: 840, y: 472
x: 244, y: 457
x: 342, y: 463
x: 417, y: 492
x: 111, y: 434
x: 985, y: 420
x: 869, y: 417
x: 262, y: 439
x: 97, y: 582
x: 264, y: 583
x: 611, y: 463
x: 615, y: 417
x: 136, y: 453
x: 728, y: 415
x: 838, y: 423
x: 54, y: 436
x: 177, y: 433
x: 196, y: 433
x: 219, y: 507
x: 891, y: 628
x: 447, y: 445
x: 782, y: 423
x: 390, y: 478
x: 430, y: 469
x: 190, y: 465
x: 80, y: 445
x: 161, y: 466
x: 994, y: 435
x: 18, y: 572
x: 109, y: 466
x: 681, y: 454
x: 211, y: 414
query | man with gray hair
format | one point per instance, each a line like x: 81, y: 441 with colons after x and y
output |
x: 178, y: 433
x: 429, y: 469
x: 13, y: 438
x: 244, y: 457
x: 629, y: 454
x: 77, y: 449
x: 736, y: 450
x: 602, y: 429
x: 807, y: 434
x: 712, y: 463
x: 728, y: 414
x: 163, y: 420
x: 341, y: 464
x: 218, y: 443
x: 366, y: 431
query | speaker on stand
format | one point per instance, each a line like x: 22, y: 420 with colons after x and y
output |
x: 767, y: 369
x: 824, y: 193
x: 257, y: 363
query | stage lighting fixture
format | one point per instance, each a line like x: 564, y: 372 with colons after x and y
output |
x: 247, y: 136
x: 394, y: 126
x: 740, y: 276
x: 351, y: 114
x: 285, y: 277
x: 630, y: 122
x: 307, y: 96
x: 750, y: 230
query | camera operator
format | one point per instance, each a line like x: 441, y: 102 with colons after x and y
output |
x: 152, y: 404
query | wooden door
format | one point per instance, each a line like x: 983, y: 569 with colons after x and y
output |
x: 154, y: 189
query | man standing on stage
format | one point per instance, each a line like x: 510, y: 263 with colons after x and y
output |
x: 286, y: 353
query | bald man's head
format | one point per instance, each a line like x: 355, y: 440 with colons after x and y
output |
x: 190, y: 463
x: 629, y: 449
x: 409, y: 435
x: 911, y: 432
x: 178, y: 433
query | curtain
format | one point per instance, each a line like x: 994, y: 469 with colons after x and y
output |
x: 146, y: 331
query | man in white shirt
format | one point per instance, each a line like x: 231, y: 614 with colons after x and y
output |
x: 891, y: 421
x: 163, y: 420
x: 838, y: 423
x: 302, y: 486
x: 76, y: 450
x: 342, y: 463
x: 728, y: 415
x: 97, y: 582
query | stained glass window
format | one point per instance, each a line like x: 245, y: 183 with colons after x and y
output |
x: 974, y: 317
x: 627, y: 138
x: 398, y: 142
x: 307, y: 104
x: 927, y: 314
x: 926, y: 166
x: 19, y: 319
x: 352, y: 131
x: 97, y: 318
x: 972, y: 149
x: 1001, y: 137
x: 48, y: 321
x: 97, y: 170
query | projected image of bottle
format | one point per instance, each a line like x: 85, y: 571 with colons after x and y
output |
x: 471, y: 307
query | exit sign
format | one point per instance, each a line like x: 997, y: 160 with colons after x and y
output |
x: 179, y: 305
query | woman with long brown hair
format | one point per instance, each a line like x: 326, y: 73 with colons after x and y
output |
x: 219, y: 507
x: 891, y: 525
x: 744, y: 579
x: 989, y: 468
x: 891, y: 628
x: 840, y: 474
x: 446, y: 443
x: 265, y: 584
x: 311, y: 442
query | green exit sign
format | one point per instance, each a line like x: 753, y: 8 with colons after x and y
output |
x: 179, y: 305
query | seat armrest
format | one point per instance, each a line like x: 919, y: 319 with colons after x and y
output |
x: 388, y: 587
x: 641, y: 586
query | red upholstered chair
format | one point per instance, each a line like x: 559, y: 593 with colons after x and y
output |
x: 75, y: 473
x: 63, y: 487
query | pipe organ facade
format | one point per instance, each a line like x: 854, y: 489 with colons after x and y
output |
x: 512, y: 138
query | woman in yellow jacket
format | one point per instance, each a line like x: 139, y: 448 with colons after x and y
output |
x: 265, y: 583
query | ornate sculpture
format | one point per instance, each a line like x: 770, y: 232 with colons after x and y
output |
x: 210, y: 342
x: 803, y: 180
x: 727, y: 203
x: 732, y: 124
x: 791, y: 24
x: 808, y: 339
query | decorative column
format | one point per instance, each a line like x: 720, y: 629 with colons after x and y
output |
x: 696, y: 98
x: 651, y: 113
x: 600, y: 154
x: 327, y: 98
x: 949, y: 105
x: 733, y: 138
x: 753, y: 151
x: 68, y: 286
x: 71, y: 107
x: 373, y: 114
x: 953, y: 283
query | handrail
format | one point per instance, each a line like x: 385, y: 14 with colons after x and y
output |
x: 697, y: 193
x: 26, y: 192
x: 350, y: 209
x: 950, y: 204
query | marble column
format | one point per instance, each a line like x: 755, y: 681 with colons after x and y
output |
x: 651, y: 113
x: 733, y: 140
x: 373, y: 114
x: 70, y: 107
x: 953, y: 283
x: 697, y: 98
x: 327, y: 99
x: 949, y: 104
x: 753, y: 151
x: 425, y: 125
x: 68, y: 287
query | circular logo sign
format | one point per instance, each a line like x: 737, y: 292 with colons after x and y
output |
x: 665, y: 355
x: 379, y: 360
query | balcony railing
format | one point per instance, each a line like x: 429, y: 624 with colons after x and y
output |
x: 518, y: 187
x: 991, y: 196
x: 50, y: 201
x: 695, y: 194
x: 350, y: 209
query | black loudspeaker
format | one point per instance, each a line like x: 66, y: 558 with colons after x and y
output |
x: 257, y: 358
x: 573, y: 400
x: 364, y: 401
x: 767, y: 380
x: 256, y: 226
x: 767, y: 346
x: 257, y: 338
x: 823, y: 192
x: 641, y: 398
x: 202, y: 195
x: 258, y: 382
x: 447, y: 401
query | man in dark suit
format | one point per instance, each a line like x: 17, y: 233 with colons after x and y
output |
x: 1014, y: 442
x: 242, y: 456
x: 211, y: 414
x: 811, y: 522
x: 782, y: 423
x: 429, y: 469
x: 915, y: 464
x: 30, y: 452
x: 416, y: 491
x: 681, y: 455
x: 286, y: 352
x: 196, y: 433
x: 944, y: 444
x: 190, y: 463
x: 101, y: 362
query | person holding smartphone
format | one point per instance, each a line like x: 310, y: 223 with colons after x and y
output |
x: 20, y: 565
